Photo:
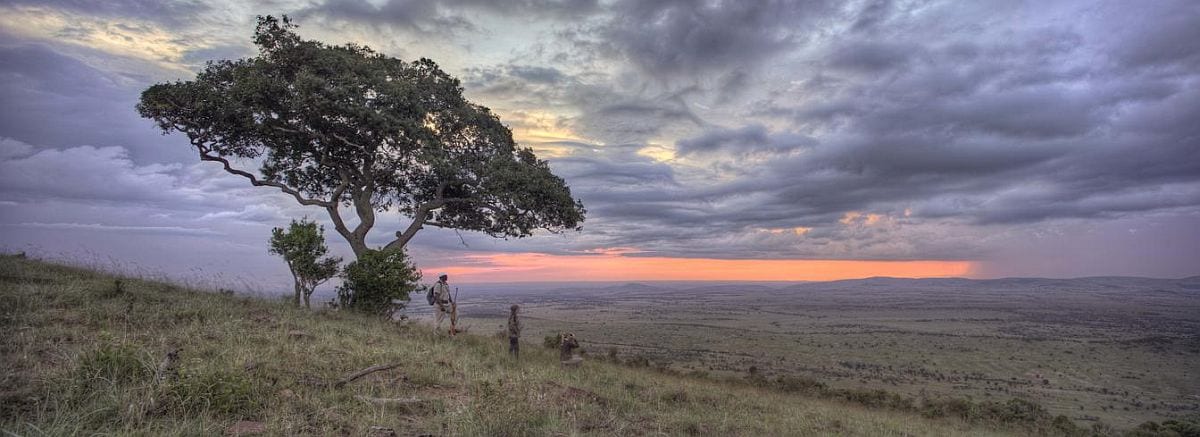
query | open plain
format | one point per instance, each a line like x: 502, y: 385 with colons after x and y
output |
x: 1118, y: 350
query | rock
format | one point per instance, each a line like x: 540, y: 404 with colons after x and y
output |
x: 297, y: 334
x: 246, y: 427
x: 287, y: 393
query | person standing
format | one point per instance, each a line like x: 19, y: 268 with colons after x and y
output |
x: 514, y: 333
x: 441, y: 298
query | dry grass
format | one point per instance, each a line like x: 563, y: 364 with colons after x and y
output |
x: 81, y: 351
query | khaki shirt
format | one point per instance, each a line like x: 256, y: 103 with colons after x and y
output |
x: 441, y: 293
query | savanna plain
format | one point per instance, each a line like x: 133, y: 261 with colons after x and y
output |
x: 1116, y: 350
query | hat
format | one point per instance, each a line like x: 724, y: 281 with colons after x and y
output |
x: 442, y: 275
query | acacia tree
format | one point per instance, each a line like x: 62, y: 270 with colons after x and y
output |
x: 302, y: 246
x: 344, y: 126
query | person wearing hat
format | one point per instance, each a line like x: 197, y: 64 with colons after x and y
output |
x: 441, y: 297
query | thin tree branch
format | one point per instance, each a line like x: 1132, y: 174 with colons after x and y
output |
x: 254, y: 180
x: 364, y: 372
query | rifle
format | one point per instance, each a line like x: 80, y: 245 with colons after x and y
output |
x: 454, y: 313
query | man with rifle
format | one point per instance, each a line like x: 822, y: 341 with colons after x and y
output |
x: 445, y: 303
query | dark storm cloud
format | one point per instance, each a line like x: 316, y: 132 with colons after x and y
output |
x: 614, y: 168
x: 429, y: 16
x: 521, y: 82
x: 871, y: 56
x: 416, y: 15
x: 872, y: 14
x: 1165, y: 35
x: 966, y: 128
x: 742, y: 141
x: 668, y: 37
x: 536, y: 74
x: 49, y: 99
x: 562, y: 9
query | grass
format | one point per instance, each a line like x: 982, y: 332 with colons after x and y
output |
x: 81, y: 355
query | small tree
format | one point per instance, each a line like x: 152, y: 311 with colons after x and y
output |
x: 376, y: 280
x: 302, y: 246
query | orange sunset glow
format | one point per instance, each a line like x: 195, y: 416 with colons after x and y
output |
x: 535, y: 267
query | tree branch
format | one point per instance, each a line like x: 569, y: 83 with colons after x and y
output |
x: 254, y: 180
x: 364, y: 372
x: 420, y: 217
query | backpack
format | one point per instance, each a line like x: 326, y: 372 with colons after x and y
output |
x: 429, y: 294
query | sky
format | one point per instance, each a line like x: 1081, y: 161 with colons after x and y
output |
x: 709, y: 140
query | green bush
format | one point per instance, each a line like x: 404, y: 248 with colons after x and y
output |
x: 378, y: 279
x: 551, y: 341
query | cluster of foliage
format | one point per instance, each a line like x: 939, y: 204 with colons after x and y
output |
x: 1184, y: 427
x: 379, y: 282
x: 302, y: 246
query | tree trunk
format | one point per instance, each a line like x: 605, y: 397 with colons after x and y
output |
x: 296, y: 286
x: 357, y: 240
x: 358, y: 244
x: 307, y: 295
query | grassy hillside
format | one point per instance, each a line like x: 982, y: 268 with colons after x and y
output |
x: 80, y: 352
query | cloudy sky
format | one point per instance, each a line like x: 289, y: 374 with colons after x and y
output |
x: 780, y: 140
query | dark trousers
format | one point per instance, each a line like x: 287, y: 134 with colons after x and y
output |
x: 514, y: 347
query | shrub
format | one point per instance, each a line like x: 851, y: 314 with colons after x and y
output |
x: 551, y: 341
x: 378, y: 279
x: 1016, y: 410
x: 877, y: 399
x: 1181, y: 428
x: 799, y: 384
x: 950, y: 407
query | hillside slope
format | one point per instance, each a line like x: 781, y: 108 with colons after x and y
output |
x: 81, y: 351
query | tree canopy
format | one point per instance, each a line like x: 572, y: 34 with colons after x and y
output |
x: 344, y: 126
